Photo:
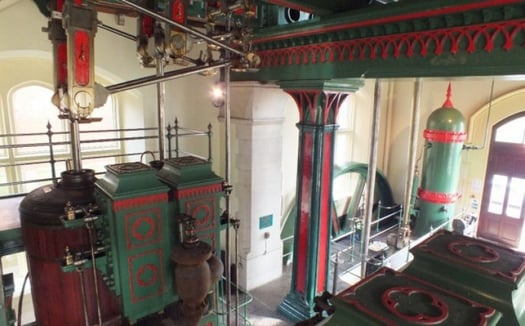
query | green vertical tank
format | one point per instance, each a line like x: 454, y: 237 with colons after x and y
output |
x: 437, y: 194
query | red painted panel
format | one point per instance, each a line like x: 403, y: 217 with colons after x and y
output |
x: 304, y: 213
x: 61, y: 64
x: 324, y: 213
x: 82, y: 48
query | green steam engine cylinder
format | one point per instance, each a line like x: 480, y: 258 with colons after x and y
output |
x: 444, y: 138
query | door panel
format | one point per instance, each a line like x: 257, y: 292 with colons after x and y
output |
x: 502, y: 208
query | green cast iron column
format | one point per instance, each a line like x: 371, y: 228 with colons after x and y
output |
x: 318, y: 103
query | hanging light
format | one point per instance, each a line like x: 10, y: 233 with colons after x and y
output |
x: 217, y: 94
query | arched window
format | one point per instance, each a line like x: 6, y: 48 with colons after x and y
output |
x: 512, y: 132
x: 29, y: 114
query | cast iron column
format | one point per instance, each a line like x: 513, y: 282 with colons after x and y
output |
x: 318, y: 102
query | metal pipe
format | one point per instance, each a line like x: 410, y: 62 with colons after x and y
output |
x: 117, y: 31
x: 75, y: 145
x: 52, y: 160
x: 182, y: 27
x: 227, y: 112
x: 371, y: 177
x: 150, y: 80
x: 161, y: 111
x: 83, y: 295
x: 94, y: 270
x: 334, y: 278
x: 414, y: 129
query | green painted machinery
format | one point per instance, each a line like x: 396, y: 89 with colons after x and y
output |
x: 437, y: 194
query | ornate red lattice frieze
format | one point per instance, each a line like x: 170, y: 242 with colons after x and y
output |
x: 139, y: 201
x: 452, y: 40
x: 198, y: 191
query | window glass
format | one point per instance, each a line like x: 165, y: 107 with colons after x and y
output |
x: 99, y: 130
x: 512, y: 132
x: 515, y: 200
x: 98, y: 164
x: 4, y: 190
x: 497, y: 194
x: 32, y: 110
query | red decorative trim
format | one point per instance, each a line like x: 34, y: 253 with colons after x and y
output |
x: 324, y: 218
x: 134, y: 221
x: 155, y: 284
x: 443, y: 136
x: 398, y: 299
x: 307, y: 99
x: 203, y: 210
x: 147, y: 275
x: 513, y: 272
x: 130, y: 203
x: 437, y: 197
x: 301, y: 253
x: 198, y: 191
x: 397, y: 45
x: 490, y: 255
x: 350, y: 296
x: 392, y: 19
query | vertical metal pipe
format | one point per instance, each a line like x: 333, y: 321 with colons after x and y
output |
x: 75, y: 144
x: 161, y: 94
x: 209, y: 141
x: 414, y: 130
x: 83, y: 295
x: 371, y: 177
x: 169, y: 136
x: 176, y: 138
x: 51, y: 152
x: 227, y: 183
x: 334, y: 278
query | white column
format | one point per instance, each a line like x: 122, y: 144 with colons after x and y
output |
x: 257, y: 122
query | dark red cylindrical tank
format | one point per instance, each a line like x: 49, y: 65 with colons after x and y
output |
x: 57, y: 295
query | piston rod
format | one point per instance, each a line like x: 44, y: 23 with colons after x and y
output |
x: 150, y: 80
x: 371, y: 178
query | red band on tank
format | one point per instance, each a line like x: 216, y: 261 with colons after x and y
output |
x: 437, y: 197
x: 442, y: 136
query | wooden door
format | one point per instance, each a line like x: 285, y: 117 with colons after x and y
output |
x: 502, y: 211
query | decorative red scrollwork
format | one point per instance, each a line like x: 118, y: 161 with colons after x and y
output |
x: 415, y: 305
x: 443, y: 136
x: 147, y: 275
x: 138, y: 230
x: 473, y: 251
x: 470, y: 38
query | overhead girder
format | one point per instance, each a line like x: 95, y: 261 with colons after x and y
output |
x: 433, y: 38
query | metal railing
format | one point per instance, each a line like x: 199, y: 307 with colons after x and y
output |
x: 49, y: 155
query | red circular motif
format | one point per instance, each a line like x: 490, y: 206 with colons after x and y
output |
x: 415, y: 305
x: 141, y: 236
x: 145, y: 279
x: 202, y: 214
x: 469, y: 250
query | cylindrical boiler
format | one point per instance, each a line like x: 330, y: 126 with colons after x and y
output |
x: 61, y: 298
x: 444, y: 138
